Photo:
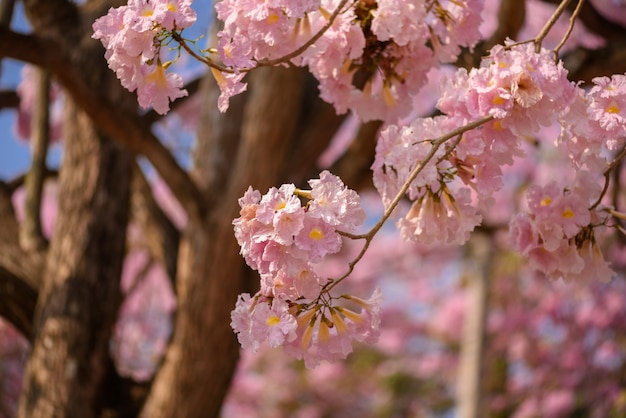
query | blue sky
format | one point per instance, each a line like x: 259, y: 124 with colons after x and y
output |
x: 14, y: 154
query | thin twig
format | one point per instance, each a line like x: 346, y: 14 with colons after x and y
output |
x: 572, y: 21
x: 436, y: 144
x: 607, y: 176
x: 548, y: 26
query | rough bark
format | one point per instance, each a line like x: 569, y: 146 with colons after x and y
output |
x: 79, y: 294
x: 78, y: 302
x: 20, y: 272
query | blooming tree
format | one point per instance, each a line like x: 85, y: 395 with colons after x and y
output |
x: 510, y: 99
x: 372, y: 59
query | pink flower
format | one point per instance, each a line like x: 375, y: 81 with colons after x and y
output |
x: 273, y: 323
x: 440, y: 219
x: 325, y: 333
x: 132, y: 36
x: 159, y: 88
x: 258, y: 319
x: 174, y: 14
x: 318, y: 239
x: 334, y: 203
x: 230, y: 85
x: 607, y: 106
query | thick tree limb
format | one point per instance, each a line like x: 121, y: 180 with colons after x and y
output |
x: 213, y: 273
x: 48, y: 17
x: 17, y: 301
x: 6, y: 15
x: 159, y: 234
x: 318, y: 125
x: 120, y: 126
x: 6, y: 12
x: 31, y: 236
x: 20, y: 272
x: 28, y: 267
x: 217, y: 142
x: 80, y: 295
x: 354, y: 166
x: 9, y: 99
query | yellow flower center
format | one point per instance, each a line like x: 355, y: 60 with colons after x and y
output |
x: 568, y: 213
x: 498, y: 100
x: 613, y: 108
x: 316, y: 234
x: 545, y: 201
x: 272, y: 320
x: 157, y: 76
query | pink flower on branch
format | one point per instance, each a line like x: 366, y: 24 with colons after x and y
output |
x: 133, y: 36
x: 285, y: 239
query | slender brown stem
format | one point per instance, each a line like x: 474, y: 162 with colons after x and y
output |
x: 607, y: 176
x: 549, y: 24
x: 572, y: 21
x: 369, y: 236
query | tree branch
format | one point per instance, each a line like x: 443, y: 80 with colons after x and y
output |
x: 354, y: 166
x: 17, y: 302
x: 6, y: 12
x: 159, y: 233
x: 31, y: 236
x: 20, y: 272
x: 9, y: 99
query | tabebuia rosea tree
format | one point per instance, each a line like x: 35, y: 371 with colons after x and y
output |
x: 372, y: 58
x: 493, y: 135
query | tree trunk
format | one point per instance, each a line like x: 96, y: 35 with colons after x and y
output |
x: 78, y: 302
x: 472, y: 379
x: 202, y: 356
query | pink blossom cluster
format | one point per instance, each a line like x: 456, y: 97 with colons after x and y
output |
x: 521, y: 90
x: 558, y: 233
x: 285, y: 241
x: 133, y: 36
x: 373, y: 58
x: 595, y: 124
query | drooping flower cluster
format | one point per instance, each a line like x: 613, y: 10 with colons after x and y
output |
x: 521, y: 90
x: 372, y: 59
x: 369, y: 57
x: 284, y: 240
x: 595, y: 124
x: 133, y: 36
x: 557, y: 234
